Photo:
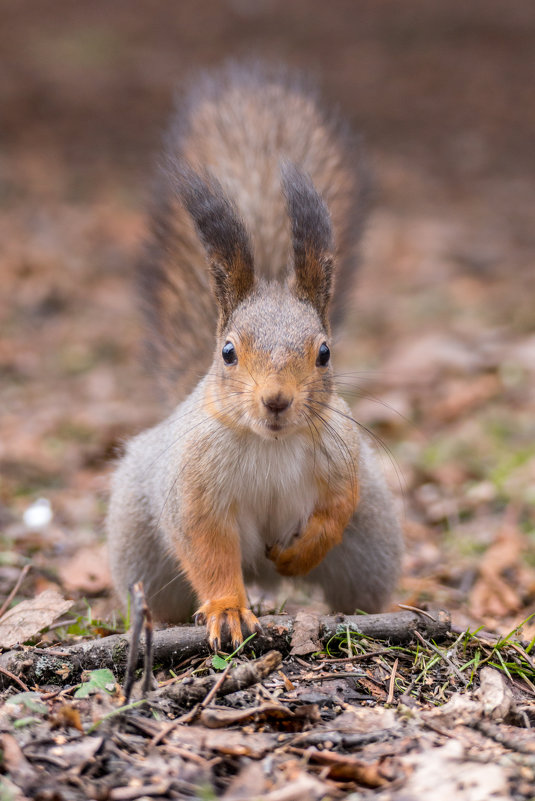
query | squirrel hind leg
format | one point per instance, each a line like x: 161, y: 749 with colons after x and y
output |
x: 171, y: 599
x: 361, y: 573
x: 167, y: 591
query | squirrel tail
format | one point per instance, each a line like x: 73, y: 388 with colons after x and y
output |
x: 240, y: 124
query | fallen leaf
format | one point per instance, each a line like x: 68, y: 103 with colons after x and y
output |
x: 288, y: 686
x: 30, y: 701
x: 28, y: 618
x: 77, y: 753
x: 495, y: 593
x: 67, y: 716
x: 305, y: 637
x: 447, y: 769
x: 219, y: 717
x: 14, y: 760
x: 232, y: 743
x: 102, y: 679
x: 87, y: 571
x: 347, y: 768
x: 464, y: 397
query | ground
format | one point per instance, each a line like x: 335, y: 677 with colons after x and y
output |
x: 439, y: 353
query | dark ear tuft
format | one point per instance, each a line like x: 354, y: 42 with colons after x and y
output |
x: 223, y: 235
x: 312, y: 239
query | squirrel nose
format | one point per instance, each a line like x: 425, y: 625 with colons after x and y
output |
x: 277, y: 403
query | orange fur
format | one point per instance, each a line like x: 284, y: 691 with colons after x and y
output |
x: 324, y: 530
x: 210, y: 556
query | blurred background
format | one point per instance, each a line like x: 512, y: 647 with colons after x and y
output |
x: 441, y: 338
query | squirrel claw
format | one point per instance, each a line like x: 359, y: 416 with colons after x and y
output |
x: 216, y: 615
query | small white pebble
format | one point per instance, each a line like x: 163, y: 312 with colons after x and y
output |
x: 38, y: 515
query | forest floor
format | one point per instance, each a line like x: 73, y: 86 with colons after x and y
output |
x: 438, y: 361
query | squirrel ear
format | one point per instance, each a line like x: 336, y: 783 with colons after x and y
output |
x: 223, y: 234
x: 312, y: 239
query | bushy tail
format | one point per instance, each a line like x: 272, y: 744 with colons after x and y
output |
x: 241, y: 124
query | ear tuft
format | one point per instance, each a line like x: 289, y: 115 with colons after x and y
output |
x: 223, y: 234
x: 312, y: 239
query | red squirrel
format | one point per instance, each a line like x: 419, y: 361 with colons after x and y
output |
x: 260, y: 470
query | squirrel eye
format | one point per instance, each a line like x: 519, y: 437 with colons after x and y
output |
x: 229, y: 353
x: 324, y: 354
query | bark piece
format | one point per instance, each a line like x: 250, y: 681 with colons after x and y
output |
x: 194, y: 690
x: 305, y: 637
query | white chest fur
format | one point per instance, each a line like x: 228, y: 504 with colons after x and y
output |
x: 273, y: 490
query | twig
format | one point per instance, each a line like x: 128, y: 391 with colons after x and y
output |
x: 358, y: 657
x: 391, y: 682
x: 174, y: 679
x: 217, y: 686
x: 346, y: 674
x: 148, y: 660
x: 139, y: 607
x: 195, y: 690
x: 181, y: 720
x: 446, y: 659
x: 349, y: 741
x: 23, y: 573
x: 10, y: 675
x: 193, y: 714
x: 417, y: 610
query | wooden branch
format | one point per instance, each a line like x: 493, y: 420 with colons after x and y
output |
x: 194, y: 690
x: 64, y: 664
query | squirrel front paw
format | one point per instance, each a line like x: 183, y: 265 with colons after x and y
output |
x: 288, y: 561
x: 306, y: 551
x: 218, y: 612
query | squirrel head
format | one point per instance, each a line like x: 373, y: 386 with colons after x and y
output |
x: 271, y: 371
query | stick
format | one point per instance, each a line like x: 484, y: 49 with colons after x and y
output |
x: 14, y: 591
x: 391, y: 682
x: 148, y: 656
x: 138, y: 614
x: 180, y: 643
x: 196, y: 690
x: 446, y: 659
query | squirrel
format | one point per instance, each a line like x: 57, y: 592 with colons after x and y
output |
x: 260, y: 471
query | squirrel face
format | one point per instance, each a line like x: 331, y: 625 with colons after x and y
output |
x: 272, y: 371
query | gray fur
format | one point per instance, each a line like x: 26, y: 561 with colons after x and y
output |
x: 240, y: 126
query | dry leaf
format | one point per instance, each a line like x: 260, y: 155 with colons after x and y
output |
x: 494, y: 593
x: 445, y: 772
x: 230, y: 742
x: 305, y: 637
x: 87, y: 571
x: 347, y: 768
x: 28, y: 618
x: 219, y: 717
x: 464, y: 397
x: 67, y: 716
